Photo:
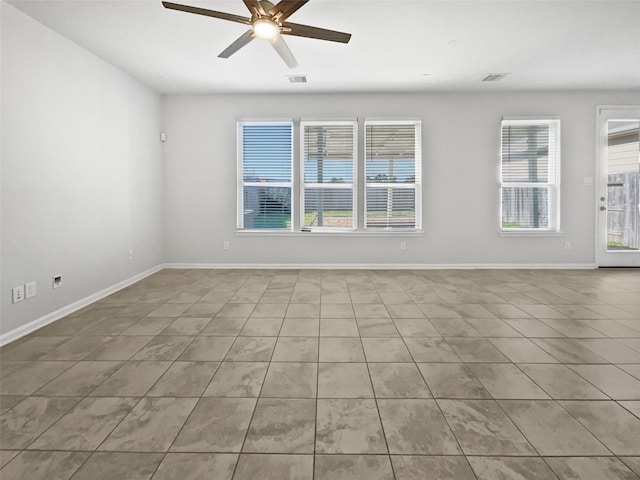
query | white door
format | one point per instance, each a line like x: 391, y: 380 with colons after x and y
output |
x: 618, y: 187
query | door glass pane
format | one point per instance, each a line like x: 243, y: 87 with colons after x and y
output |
x: 623, y: 185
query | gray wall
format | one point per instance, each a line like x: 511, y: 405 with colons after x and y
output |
x: 81, y: 171
x: 460, y: 154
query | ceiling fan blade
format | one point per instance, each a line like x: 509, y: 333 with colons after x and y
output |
x: 253, y: 6
x: 314, y: 32
x: 207, y: 13
x: 238, y: 44
x: 286, y: 8
x: 283, y: 50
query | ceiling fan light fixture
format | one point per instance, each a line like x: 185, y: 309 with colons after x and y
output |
x: 265, y: 28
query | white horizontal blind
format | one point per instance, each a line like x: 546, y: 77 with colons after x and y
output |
x: 328, y: 175
x: 529, y: 174
x: 265, y: 175
x: 393, y: 174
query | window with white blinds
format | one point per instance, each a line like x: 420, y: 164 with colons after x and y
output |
x: 265, y: 175
x: 392, y: 174
x: 530, y: 175
x: 328, y: 175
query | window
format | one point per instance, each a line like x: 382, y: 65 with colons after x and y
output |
x: 265, y: 175
x: 530, y: 175
x: 328, y: 175
x: 323, y: 189
x: 392, y: 171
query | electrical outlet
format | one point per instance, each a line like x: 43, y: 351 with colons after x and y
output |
x: 403, y: 245
x: 225, y: 245
x: 17, y: 294
x: 30, y: 289
x: 567, y: 245
x: 57, y: 281
x: 131, y: 254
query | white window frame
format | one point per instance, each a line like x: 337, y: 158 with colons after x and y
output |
x: 553, y: 183
x: 417, y: 186
x: 240, y: 177
x: 350, y: 186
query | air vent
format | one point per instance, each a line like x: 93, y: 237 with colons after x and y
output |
x: 494, y: 77
x: 297, y: 78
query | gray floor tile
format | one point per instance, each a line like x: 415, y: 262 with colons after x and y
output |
x: 476, y: 350
x: 77, y: 348
x: 163, y: 347
x: 614, y: 426
x: 7, y: 402
x: 567, y: 350
x: 148, y: 326
x: 27, y: 420
x: 107, y: 466
x: 349, y: 426
x: 186, y: 326
x: 251, y: 349
x: 561, y: 383
x: 296, y: 349
x: 120, y: 348
x: 133, y: 379
x: 377, y: 327
x: 454, y: 327
x: 590, y: 468
x: 415, y: 327
x: 386, y: 350
x: 344, y: 380
x: 217, y: 425
x: 224, y: 327
x: 282, y: 426
x: 7, y: 455
x: 452, y: 380
x: 86, y: 425
x: 80, y: 380
x: 292, y: 380
x: 338, y: 327
x: 262, y: 327
x: 397, y: 380
x: 237, y: 379
x: 184, y: 379
x: 151, y: 426
x: 352, y: 467
x: 43, y: 465
x: 196, y: 466
x: 274, y: 467
x: 341, y: 350
x: 416, y: 427
x: 511, y: 468
x: 431, y: 350
x: 522, y: 350
x: 550, y: 429
x: 207, y: 349
x: 482, y: 428
x: 611, y: 380
x: 506, y: 381
x: 431, y: 468
x: 32, y: 376
x: 300, y: 327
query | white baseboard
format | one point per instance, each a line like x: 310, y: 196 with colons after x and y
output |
x: 385, y: 266
x: 16, y: 333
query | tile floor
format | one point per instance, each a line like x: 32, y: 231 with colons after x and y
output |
x: 333, y: 375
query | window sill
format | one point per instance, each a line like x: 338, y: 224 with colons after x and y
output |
x: 530, y: 233
x: 351, y: 233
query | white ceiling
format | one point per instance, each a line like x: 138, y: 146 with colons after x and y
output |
x: 559, y: 44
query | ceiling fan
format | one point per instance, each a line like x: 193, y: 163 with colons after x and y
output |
x: 267, y: 21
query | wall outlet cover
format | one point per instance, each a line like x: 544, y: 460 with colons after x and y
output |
x: 30, y: 289
x: 17, y: 294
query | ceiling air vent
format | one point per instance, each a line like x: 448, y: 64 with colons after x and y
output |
x: 297, y: 78
x: 494, y: 77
